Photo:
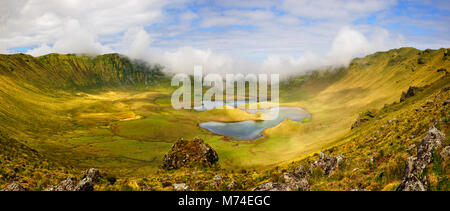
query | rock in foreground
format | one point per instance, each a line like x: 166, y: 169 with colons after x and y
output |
x: 14, y: 187
x: 185, y: 153
x: 86, y: 184
x: 293, y: 181
x: 416, y: 164
x: 327, y: 163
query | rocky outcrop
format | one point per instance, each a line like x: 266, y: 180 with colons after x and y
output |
x: 293, y: 181
x: 412, y: 91
x: 185, y: 152
x: 297, y: 180
x: 86, y: 184
x: 327, y: 163
x: 301, y: 185
x: 14, y: 187
x: 365, y: 117
x: 446, y: 102
x: 445, y: 153
x: 416, y: 164
x: 92, y: 173
x: 181, y: 187
x: 442, y: 70
x: 65, y: 185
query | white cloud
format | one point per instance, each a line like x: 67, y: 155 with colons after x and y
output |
x: 286, y: 36
x: 184, y: 59
x: 37, y: 22
x: 136, y: 43
x: 348, y: 44
x: 74, y: 39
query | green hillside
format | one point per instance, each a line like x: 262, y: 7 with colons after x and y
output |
x: 60, y: 114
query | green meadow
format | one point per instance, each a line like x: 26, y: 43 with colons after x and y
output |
x: 103, y: 112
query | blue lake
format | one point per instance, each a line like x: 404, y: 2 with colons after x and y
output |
x: 251, y: 130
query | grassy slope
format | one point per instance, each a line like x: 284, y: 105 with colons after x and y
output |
x: 381, y: 140
x: 59, y: 117
x: 335, y: 102
x: 84, y: 112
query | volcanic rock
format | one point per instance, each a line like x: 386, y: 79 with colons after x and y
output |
x: 327, y: 163
x: 14, y: 187
x: 185, y: 152
x: 413, y: 90
x: 65, y: 185
x: 416, y: 164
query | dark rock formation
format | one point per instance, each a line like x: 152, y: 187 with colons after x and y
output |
x: 442, y: 70
x: 415, y: 165
x: 14, y: 187
x: 446, y: 102
x: 412, y: 91
x: 363, y: 118
x: 421, y: 61
x: 446, y: 89
x: 85, y: 184
x: 327, y: 163
x: 184, y: 153
x: 92, y: 173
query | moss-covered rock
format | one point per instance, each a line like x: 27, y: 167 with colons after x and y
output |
x: 184, y: 153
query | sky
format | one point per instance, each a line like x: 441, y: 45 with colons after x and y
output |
x: 285, y: 36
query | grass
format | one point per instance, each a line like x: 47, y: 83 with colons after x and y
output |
x: 82, y: 118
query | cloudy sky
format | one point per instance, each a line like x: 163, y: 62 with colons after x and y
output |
x: 231, y: 35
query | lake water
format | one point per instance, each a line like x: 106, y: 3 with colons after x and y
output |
x: 251, y: 130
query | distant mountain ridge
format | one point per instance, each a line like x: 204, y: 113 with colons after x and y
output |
x: 59, y: 71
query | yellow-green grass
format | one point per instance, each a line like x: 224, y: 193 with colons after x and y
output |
x: 98, y: 127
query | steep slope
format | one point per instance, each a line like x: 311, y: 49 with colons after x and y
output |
x: 335, y: 99
x: 373, y: 154
x: 33, y: 89
x: 62, y: 106
x: 22, y: 164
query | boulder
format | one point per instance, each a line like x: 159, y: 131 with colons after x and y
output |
x: 357, y: 189
x: 185, y: 152
x: 92, y: 173
x: 270, y: 186
x: 181, y: 187
x: 445, y: 153
x: 85, y: 184
x: 14, y: 186
x: 301, y: 171
x: 327, y: 163
x: 293, y: 181
x: 302, y: 185
x: 416, y: 164
x: 65, y: 185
